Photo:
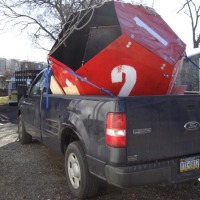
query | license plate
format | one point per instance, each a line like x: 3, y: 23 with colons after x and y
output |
x: 188, y: 164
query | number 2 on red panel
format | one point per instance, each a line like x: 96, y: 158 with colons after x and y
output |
x: 130, y: 78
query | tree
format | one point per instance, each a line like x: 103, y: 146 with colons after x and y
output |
x: 192, y: 9
x: 42, y: 19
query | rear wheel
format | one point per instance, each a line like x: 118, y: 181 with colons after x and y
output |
x: 82, y: 184
x: 24, y: 137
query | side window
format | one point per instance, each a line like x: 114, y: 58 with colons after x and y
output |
x: 38, y: 85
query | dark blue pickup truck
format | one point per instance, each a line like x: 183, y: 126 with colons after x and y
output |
x: 125, y: 141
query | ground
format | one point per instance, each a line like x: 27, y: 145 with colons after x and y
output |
x: 34, y: 172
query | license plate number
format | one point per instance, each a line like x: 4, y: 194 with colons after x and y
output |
x: 189, y: 164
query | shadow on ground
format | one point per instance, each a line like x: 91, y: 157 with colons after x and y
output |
x: 8, y: 114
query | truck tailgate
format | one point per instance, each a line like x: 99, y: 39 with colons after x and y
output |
x: 162, y: 127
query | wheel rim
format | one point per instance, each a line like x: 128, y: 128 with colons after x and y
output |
x: 20, y: 129
x: 74, y: 170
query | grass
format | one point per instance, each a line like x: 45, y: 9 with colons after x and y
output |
x: 4, y: 100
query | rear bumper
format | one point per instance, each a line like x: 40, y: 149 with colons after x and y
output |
x: 162, y: 172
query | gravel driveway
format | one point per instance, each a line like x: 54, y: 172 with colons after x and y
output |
x: 35, y: 172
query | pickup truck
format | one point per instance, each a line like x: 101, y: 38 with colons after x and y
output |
x: 124, y: 141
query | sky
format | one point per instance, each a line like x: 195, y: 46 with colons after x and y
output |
x: 179, y: 22
x: 16, y: 46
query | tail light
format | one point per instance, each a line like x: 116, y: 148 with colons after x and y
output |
x: 116, y: 130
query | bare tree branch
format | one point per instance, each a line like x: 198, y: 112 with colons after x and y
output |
x: 184, y: 5
x: 192, y: 9
x: 42, y: 19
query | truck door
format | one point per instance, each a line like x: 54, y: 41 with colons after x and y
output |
x: 50, y: 118
x: 32, y: 114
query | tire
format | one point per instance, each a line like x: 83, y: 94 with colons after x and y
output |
x: 81, y: 183
x: 24, y: 137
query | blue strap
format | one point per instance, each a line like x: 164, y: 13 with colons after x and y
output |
x: 189, y: 60
x: 48, y: 74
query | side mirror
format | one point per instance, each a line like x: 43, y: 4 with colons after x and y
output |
x: 25, y: 95
x: 27, y: 91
